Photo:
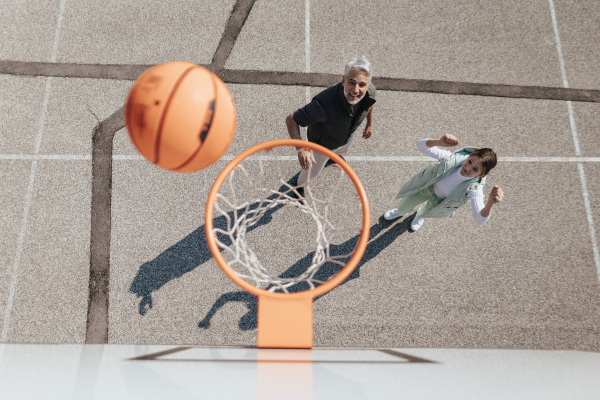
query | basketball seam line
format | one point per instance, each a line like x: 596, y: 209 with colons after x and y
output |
x: 206, y: 126
x: 166, y: 109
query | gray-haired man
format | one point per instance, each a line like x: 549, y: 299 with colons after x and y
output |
x: 333, y: 115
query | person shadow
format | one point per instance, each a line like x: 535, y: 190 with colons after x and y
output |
x: 188, y: 254
x: 381, y: 235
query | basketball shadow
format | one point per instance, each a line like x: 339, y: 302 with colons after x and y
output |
x: 382, y: 234
x: 185, y: 256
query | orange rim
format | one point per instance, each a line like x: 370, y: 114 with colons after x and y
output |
x: 336, y: 279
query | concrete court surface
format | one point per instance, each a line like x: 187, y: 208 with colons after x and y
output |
x: 100, y: 246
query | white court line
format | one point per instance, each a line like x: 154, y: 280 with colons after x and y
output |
x: 588, y: 208
x: 307, y: 45
x: 29, y: 194
x: 500, y: 159
x: 42, y: 157
x: 573, y: 128
x: 563, y: 72
x: 137, y: 157
x: 585, y: 193
x: 19, y: 252
x: 23, y: 229
x: 25, y: 217
x: 59, y: 20
x: 561, y: 59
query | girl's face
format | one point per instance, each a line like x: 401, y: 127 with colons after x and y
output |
x: 472, y: 167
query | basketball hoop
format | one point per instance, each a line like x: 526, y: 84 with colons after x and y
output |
x: 248, y: 194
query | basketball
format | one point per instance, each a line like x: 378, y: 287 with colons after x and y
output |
x: 180, y: 116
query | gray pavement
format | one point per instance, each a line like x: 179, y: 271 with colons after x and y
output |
x: 101, y: 246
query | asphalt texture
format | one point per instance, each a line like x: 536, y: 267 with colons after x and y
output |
x: 101, y: 246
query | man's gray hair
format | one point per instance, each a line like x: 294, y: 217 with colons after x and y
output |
x: 361, y: 63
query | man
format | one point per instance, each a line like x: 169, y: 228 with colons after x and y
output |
x: 332, y: 117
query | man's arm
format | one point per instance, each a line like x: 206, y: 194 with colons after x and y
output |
x: 368, y: 131
x: 305, y: 156
x: 293, y: 128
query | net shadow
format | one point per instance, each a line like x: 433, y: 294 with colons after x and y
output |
x: 181, y: 258
x: 382, y: 234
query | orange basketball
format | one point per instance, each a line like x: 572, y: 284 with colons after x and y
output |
x: 180, y: 116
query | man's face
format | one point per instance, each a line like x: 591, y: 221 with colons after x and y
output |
x: 355, y: 85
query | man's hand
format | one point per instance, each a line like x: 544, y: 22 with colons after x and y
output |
x: 305, y: 157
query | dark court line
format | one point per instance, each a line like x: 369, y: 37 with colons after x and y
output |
x: 100, y: 226
x: 97, y: 323
x: 234, y: 25
x: 254, y: 77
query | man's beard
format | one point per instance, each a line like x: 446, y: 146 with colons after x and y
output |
x: 355, y: 101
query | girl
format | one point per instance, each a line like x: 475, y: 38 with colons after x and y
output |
x: 449, y: 184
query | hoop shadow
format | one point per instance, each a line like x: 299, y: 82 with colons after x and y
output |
x: 378, y: 241
x: 185, y: 256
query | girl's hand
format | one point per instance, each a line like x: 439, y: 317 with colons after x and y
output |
x: 448, y: 141
x: 496, y: 195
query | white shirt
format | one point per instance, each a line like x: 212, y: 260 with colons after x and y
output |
x: 447, y: 185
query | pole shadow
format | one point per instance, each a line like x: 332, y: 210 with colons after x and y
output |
x: 382, y: 234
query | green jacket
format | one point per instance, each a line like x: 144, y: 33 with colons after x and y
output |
x: 341, y: 123
x: 438, y: 171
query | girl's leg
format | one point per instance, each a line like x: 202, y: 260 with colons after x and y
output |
x: 432, y: 201
x: 407, y: 204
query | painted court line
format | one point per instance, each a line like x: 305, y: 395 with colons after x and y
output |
x: 136, y: 157
x: 23, y: 228
x: 307, y: 35
x: 561, y: 59
x: 584, y: 190
x: 19, y: 252
x: 61, y: 12
x: 563, y: 72
x: 43, y: 157
x: 307, y: 44
x: 30, y: 186
x: 588, y: 209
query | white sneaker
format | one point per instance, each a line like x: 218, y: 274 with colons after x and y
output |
x: 416, y: 222
x: 391, y: 214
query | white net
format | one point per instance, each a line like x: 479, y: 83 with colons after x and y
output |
x: 277, y: 238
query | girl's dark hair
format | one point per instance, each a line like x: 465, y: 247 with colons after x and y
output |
x: 488, y: 159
